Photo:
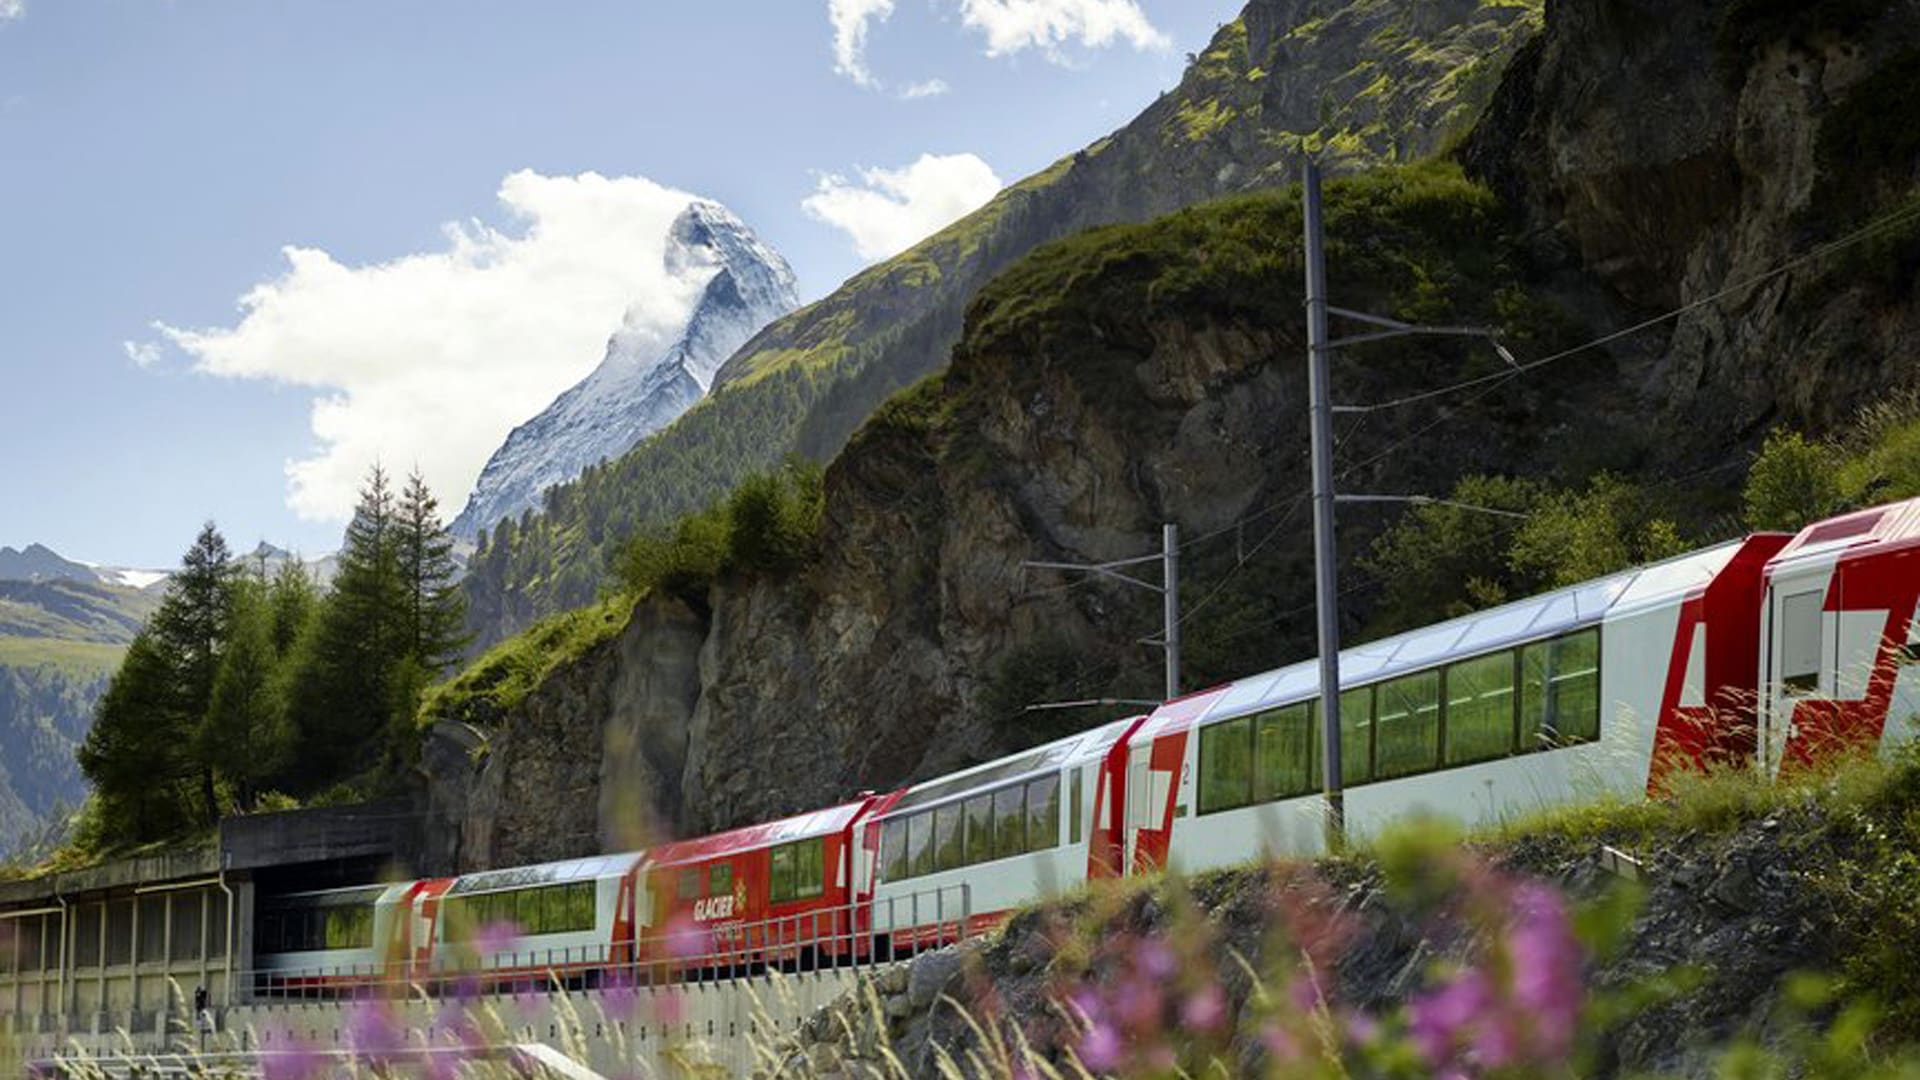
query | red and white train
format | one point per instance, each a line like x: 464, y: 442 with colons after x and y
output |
x: 1772, y: 651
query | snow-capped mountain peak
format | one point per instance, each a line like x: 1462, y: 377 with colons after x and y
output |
x: 639, y: 386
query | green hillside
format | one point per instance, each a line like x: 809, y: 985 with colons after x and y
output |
x: 1370, y: 81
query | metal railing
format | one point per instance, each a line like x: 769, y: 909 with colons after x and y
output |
x: 849, y: 935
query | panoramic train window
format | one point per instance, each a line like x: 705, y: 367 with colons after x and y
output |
x: 1406, y: 731
x: 1800, y: 618
x: 1394, y: 728
x: 350, y: 927
x: 1283, y: 758
x: 798, y: 871
x: 689, y: 886
x: 1013, y: 820
x: 720, y: 879
x: 1009, y: 822
x: 920, y: 843
x: 1356, y: 735
x: 979, y: 829
x: 1560, y: 692
x: 1226, y: 765
x: 893, y: 850
x: 1480, y: 709
x: 550, y: 909
x: 1043, y: 813
x: 949, y: 838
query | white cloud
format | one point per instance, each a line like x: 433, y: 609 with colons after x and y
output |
x: 144, y: 354
x: 890, y: 210
x: 849, y: 19
x: 1014, y: 25
x: 430, y: 359
x: 927, y: 89
x: 12, y: 9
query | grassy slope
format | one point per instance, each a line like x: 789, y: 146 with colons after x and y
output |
x: 1236, y: 122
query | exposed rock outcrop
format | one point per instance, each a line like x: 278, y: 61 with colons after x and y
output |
x: 1643, y: 159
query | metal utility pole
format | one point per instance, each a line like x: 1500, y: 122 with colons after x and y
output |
x: 1170, y: 603
x: 1326, y: 589
x: 1325, y: 567
x: 1169, y: 590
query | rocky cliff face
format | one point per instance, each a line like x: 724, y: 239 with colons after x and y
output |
x: 1671, y: 153
x: 1367, y: 81
x: 639, y: 389
x: 1636, y: 159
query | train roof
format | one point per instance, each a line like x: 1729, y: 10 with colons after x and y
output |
x: 553, y: 873
x: 1532, y: 619
x: 391, y: 893
x: 1050, y: 757
x: 753, y: 837
x: 1894, y: 526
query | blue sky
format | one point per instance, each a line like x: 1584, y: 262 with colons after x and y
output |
x: 158, y: 156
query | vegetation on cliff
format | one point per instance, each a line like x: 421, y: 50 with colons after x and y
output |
x: 1238, y: 121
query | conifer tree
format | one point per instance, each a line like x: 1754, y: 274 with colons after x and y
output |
x: 190, y: 631
x: 238, y: 736
x: 135, y: 755
x: 436, y: 608
x: 342, y: 693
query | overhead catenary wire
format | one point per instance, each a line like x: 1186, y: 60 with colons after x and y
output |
x: 1486, y: 384
x: 1866, y: 232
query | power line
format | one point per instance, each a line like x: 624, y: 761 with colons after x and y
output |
x: 1861, y: 235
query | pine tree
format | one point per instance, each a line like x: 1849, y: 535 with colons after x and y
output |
x: 135, y: 755
x: 190, y: 631
x: 342, y: 693
x: 293, y: 600
x: 239, y: 734
x: 436, y: 608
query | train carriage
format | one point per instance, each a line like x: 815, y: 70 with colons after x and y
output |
x: 780, y: 893
x: 1839, y: 640
x: 959, y: 852
x: 333, y: 941
x: 1597, y: 688
x: 567, y: 920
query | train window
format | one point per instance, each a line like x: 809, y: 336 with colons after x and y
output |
x: 1480, y: 709
x: 780, y: 874
x: 809, y: 868
x: 797, y: 871
x: 979, y: 829
x: 1283, y: 753
x: 526, y: 911
x: 553, y: 910
x: 689, y: 887
x: 1356, y: 736
x: 582, y: 906
x: 1043, y: 813
x: 1226, y: 765
x: 920, y: 843
x: 1800, y: 618
x: 1407, y: 725
x: 949, y: 838
x: 720, y: 879
x: 349, y: 927
x: 893, y: 851
x: 1009, y: 822
x: 1560, y: 691
x: 1078, y: 799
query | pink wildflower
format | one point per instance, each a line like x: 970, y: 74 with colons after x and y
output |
x: 1205, y: 1009
x: 1102, y: 1049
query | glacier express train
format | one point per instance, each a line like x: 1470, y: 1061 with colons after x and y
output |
x: 1773, y: 651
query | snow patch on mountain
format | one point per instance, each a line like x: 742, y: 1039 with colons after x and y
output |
x: 640, y: 386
